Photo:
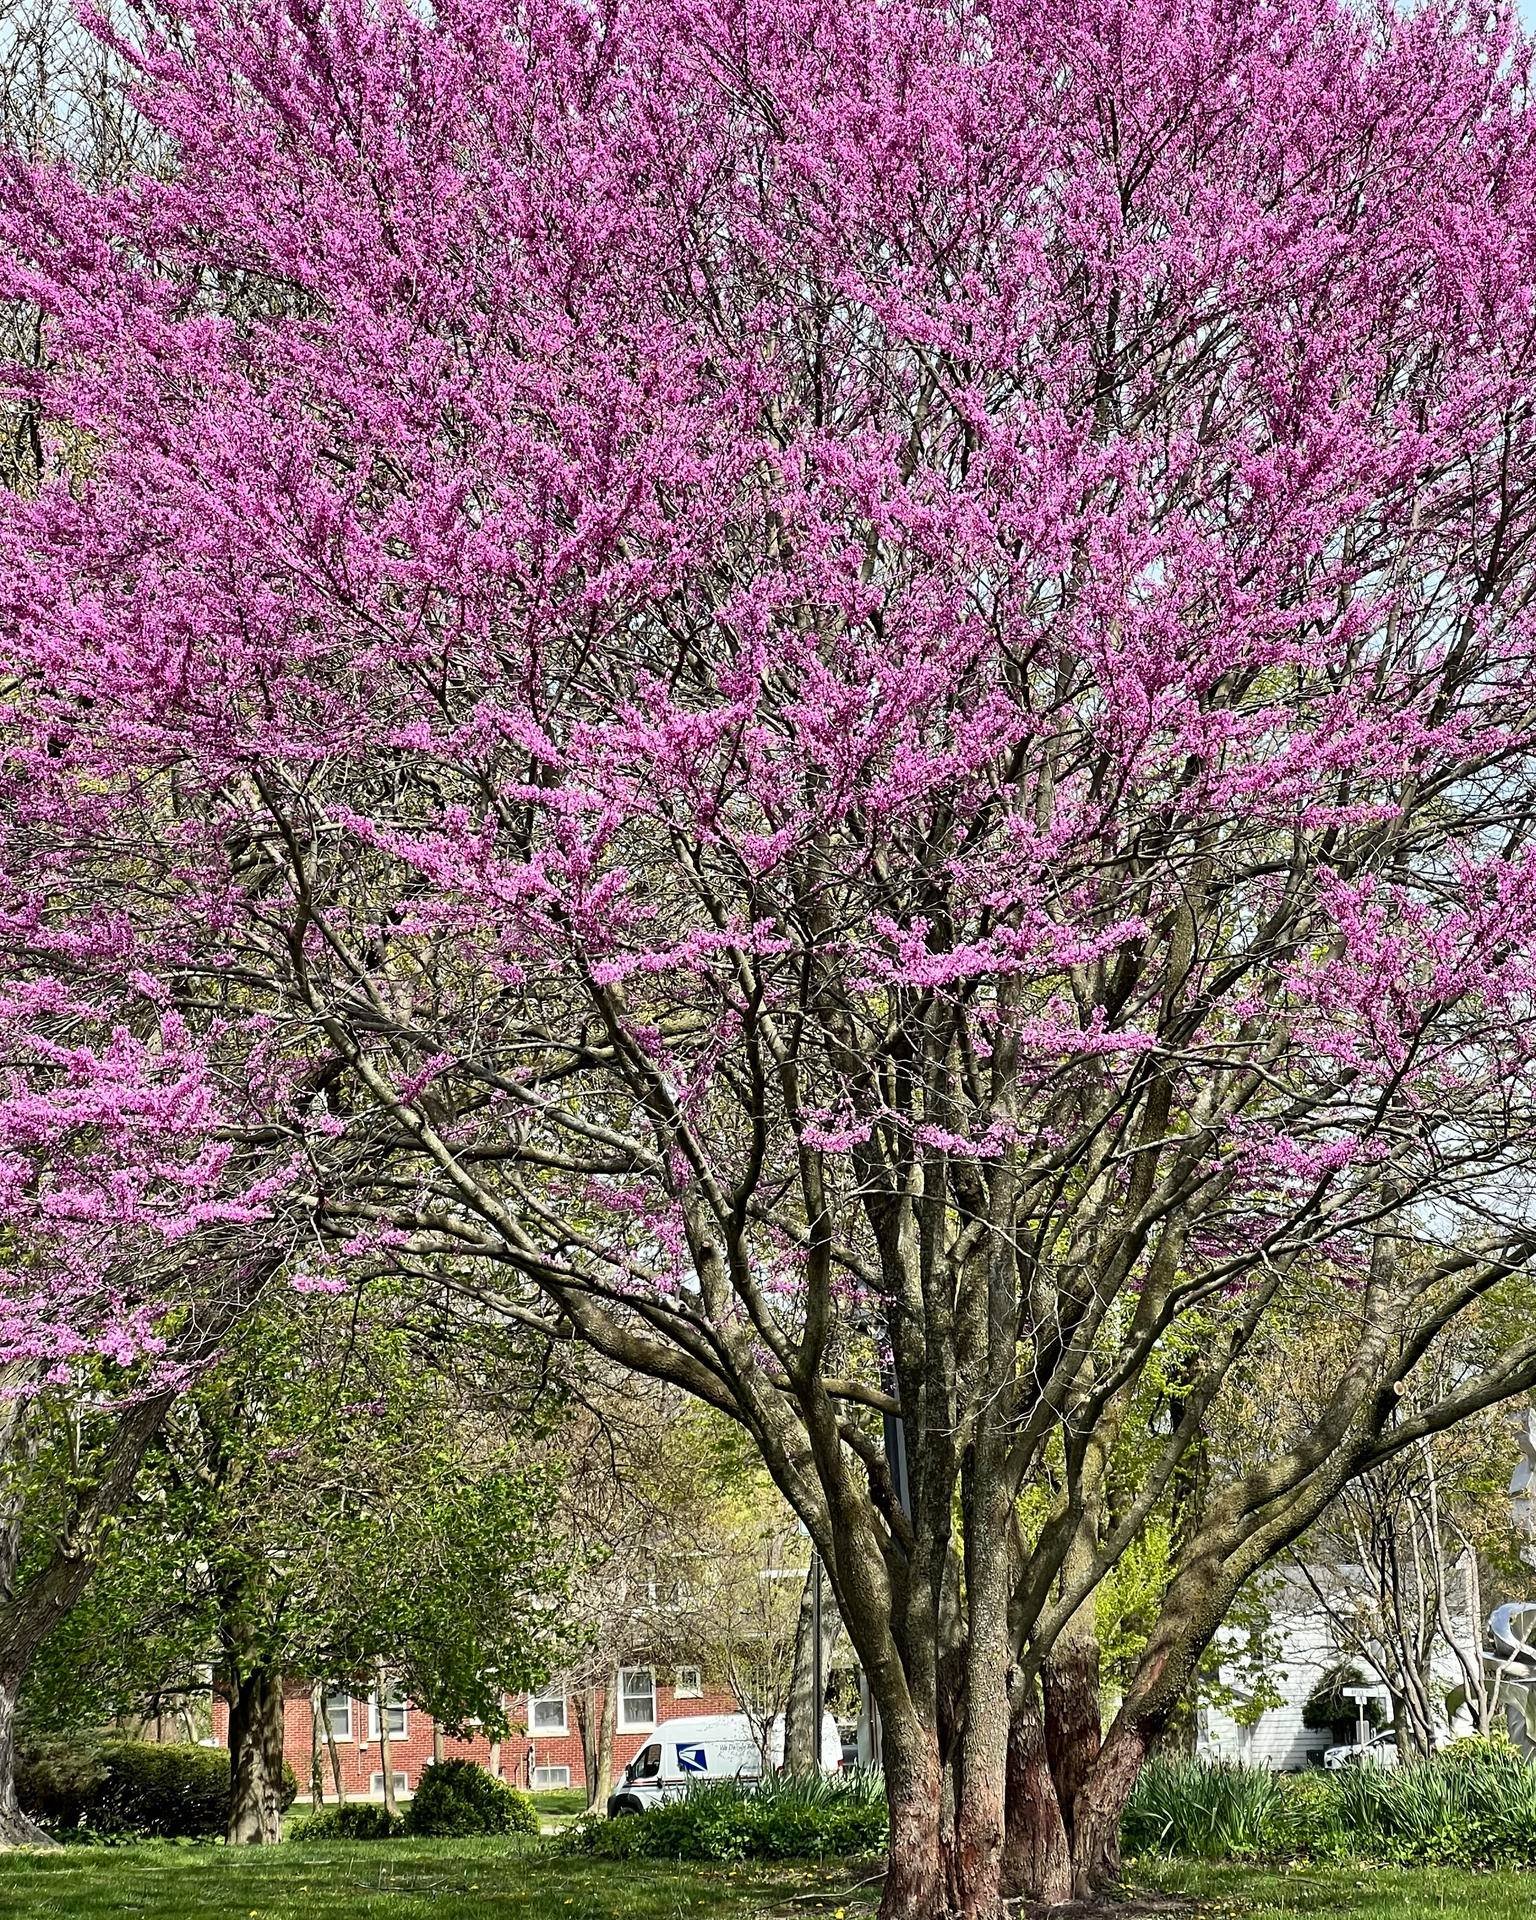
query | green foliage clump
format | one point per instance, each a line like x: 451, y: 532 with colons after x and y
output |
x: 357, y: 1820
x: 456, y: 1798
x: 1329, y: 1710
x: 784, y: 1817
x: 129, y: 1787
x: 1472, y: 1806
x: 1202, y: 1812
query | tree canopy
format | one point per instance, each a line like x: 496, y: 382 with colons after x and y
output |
x: 839, y: 697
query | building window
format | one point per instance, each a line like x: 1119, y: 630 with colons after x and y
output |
x: 337, y: 1708
x: 687, y: 1683
x: 396, y: 1711
x: 376, y: 1784
x: 546, y: 1712
x: 637, y: 1698
x: 548, y: 1778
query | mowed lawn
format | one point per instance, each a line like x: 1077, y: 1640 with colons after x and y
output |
x: 497, y: 1880
x: 410, y: 1880
x: 1347, y: 1893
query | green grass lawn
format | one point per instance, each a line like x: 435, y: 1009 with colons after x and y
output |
x: 501, y: 1880
x: 408, y: 1880
x: 1343, y: 1893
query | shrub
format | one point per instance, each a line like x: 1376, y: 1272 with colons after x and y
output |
x: 113, y: 1787
x: 357, y: 1820
x: 785, y: 1817
x: 1330, y: 1710
x: 457, y: 1798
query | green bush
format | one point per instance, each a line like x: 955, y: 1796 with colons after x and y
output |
x: 114, y: 1787
x: 455, y: 1798
x: 785, y: 1817
x: 357, y: 1820
x: 1472, y: 1806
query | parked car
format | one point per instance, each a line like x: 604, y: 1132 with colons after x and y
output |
x: 706, y: 1746
x: 1379, y: 1751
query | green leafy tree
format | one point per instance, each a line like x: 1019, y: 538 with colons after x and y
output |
x: 325, y: 1501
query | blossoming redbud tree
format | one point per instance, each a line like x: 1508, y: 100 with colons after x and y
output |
x: 840, y: 697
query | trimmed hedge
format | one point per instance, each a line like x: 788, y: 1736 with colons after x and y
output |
x: 784, y: 1817
x: 119, y: 1787
x: 456, y: 1798
x: 1472, y: 1806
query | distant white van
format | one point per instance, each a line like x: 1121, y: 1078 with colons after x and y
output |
x: 706, y: 1746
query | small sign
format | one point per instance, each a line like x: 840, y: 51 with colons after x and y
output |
x: 692, y: 1760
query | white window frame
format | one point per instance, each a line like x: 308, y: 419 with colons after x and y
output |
x: 625, y: 1723
x: 537, y: 1732
x: 394, y: 1704
x: 694, y: 1690
x: 336, y: 1733
x: 544, y: 1781
x: 376, y: 1783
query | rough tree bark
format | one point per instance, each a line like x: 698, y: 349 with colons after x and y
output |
x: 255, y: 1757
x: 16, y: 1828
x: 595, y: 1709
x: 1037, y: 1853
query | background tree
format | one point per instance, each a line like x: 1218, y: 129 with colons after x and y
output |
x: 1397, y: 1566
x: 322, y: 1502
x: 678, y: 1534
x: 840, y: 700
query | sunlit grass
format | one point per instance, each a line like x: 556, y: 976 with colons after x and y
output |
x: 1344, y: 1893
x: 502, y: 1880
x: 406, y: 1880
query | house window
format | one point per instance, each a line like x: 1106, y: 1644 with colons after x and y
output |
x: 687, y: 1683
x: 396, y: 1711
x: 546, y: 1712
x: 545, y: 1778
x: 376, y: 1784
x: 637, y: 1698
x: 337, y: 1709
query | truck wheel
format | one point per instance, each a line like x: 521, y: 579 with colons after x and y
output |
x: 625, y: 1805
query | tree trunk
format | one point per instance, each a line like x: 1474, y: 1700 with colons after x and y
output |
x: 981, y: 1755
x: 1037, y: 1855
x: 439, y: 1752
x: 1100, y: 1804
x: 915, y: 1877
x: 585, y: 1707
x: 316, y: 1761
x: 1073, y: 1729
x: 256, y: 1759
x: 386, y: 1747
x: 30, y: 1609
x: 16, y: 1828
x: 336, y: 1773
x: 606, y: 1727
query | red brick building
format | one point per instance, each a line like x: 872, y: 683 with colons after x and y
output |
x: 547, y: 1755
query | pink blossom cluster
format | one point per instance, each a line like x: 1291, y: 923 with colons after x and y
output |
x: 637, y: 605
